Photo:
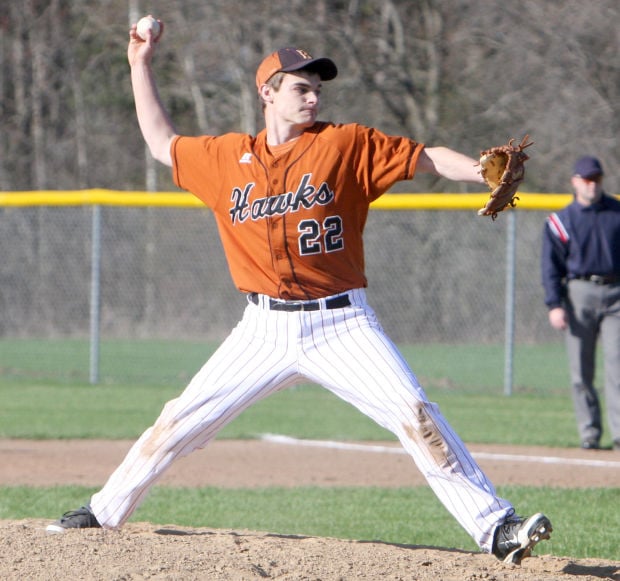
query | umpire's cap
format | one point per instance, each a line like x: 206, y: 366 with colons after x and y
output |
x: 588, y: 168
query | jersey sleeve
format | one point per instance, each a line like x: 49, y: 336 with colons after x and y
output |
x: 193, y: 161
x: 201, y: 165
x: 385, y: 160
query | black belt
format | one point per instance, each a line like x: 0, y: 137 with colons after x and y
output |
x: 599, y: 278
x: 274, y: 305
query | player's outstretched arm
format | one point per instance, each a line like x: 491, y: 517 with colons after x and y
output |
x: 449, y: 164
x: 155, y: 124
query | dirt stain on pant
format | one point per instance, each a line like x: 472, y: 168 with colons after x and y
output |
x: 427, y: 434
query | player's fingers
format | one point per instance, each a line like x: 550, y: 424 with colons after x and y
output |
x: 150, y: 39
x: 133, y: 35
x: 139, y: 48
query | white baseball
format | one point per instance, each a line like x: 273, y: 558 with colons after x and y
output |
x: 147, y: 23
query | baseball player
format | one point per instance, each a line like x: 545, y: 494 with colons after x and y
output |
x: 291, y: 204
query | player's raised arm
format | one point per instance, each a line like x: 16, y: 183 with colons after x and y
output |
x: 155, y: 124
x: 449, y: 164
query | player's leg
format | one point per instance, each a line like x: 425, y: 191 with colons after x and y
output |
x: 610, y: 339
x: 580, y: 338
x: 253, y: 361
x: 349, y: 353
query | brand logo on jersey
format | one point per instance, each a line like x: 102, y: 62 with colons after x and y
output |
x: 246, y: 158
x: 304, y: 197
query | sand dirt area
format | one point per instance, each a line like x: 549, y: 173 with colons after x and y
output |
x: 142, y: 551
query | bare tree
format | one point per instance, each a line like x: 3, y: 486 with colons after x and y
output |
x: 441, y: 71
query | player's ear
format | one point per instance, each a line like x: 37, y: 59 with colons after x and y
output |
x: 266, y: 93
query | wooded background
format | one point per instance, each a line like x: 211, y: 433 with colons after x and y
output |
x: 463, y: 73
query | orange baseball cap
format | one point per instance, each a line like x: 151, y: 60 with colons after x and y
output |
x: 291, y: 59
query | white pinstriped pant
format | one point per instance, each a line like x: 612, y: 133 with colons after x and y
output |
x: 346, y: 351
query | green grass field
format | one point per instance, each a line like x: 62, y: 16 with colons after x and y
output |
x: 465, y: 381
x: 537, y: 368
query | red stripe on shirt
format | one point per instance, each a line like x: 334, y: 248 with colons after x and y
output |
x: 557, y: 228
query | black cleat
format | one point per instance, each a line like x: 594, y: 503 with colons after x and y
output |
x: 82, y: 518
x: 516, y: 537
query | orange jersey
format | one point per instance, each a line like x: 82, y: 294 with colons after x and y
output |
x: 292, y: 223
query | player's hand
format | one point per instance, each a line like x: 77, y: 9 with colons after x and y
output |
x: 142, y: 50
x: 558, y: 319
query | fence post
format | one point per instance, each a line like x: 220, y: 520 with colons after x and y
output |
x: 95, y: 293
x: 511, y: 253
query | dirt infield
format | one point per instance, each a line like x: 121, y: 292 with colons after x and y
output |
x: 146, y: 551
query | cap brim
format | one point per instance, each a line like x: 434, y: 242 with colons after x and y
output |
x: 324, y: 67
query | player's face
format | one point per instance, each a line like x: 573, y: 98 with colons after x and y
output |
x: 297, y: 101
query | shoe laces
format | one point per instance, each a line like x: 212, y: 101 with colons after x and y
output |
x: 505, y: 535
x: 80, y: 512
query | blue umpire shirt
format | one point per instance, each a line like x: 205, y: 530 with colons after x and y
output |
x: 580, y: 241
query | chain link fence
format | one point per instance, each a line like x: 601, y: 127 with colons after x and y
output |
x: 435, y: 276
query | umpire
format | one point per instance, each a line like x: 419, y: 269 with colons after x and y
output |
x: 581, y: 278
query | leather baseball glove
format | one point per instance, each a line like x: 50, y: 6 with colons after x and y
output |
x: 503, y: 170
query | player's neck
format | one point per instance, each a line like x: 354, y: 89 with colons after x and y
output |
x: 277, y: 138
x: 281, y: 133
x: 282, y: 148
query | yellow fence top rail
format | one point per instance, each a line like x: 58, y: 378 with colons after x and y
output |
x: 92, y: 197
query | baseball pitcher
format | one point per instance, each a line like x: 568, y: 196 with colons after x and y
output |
x: 291, y: 204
